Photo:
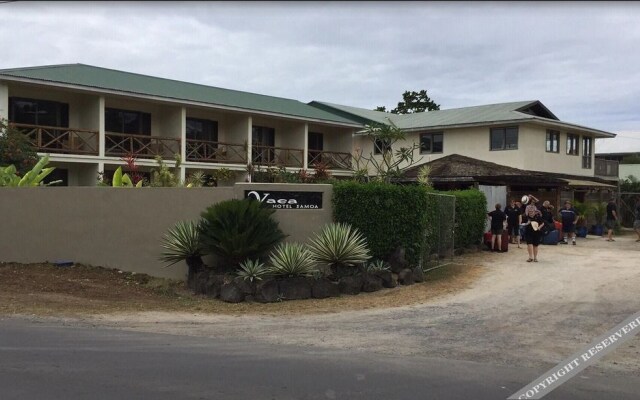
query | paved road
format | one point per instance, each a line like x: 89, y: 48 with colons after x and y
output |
x: 48, y: 360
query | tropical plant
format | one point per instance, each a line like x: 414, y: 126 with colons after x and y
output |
x: 339, y: 245
x: 377, y: 266
x: 423, y: 175
x: 196, y: 179
x: 222, y: 175
x: 235, y: 230
x: 599, y: 210
x: 182, y: 243
x: 291, y: 260
x: 9, y: 176
x: 581, y: 209
x: 123, y: 180
x: 16, y: 149
x: 252, y: 270
x: 132, y: 168
x: 162, y: 176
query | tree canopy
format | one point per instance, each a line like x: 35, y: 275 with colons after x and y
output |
x: 413, y: 102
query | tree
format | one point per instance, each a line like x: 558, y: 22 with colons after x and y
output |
x: 392, y: 164
x: 16, y: 149
x: 413, y: 102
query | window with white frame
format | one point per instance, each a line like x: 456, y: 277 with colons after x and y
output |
x: 553, y: 141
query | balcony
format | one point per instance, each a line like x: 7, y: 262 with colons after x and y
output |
x: 332, y: 159
x: 51, y: 139
x: 277, y: 156
x: 216, y: 152
x: 141, y: 146
x: 606, y: 168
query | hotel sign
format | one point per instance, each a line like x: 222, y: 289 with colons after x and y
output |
x: 287, y: 200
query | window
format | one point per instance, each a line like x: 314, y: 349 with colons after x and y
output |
x: 572, y: 144
x: 124, y: 121
x: 202, y: 129
x: 381, y: 145
x: 504, y: 138
x: 587, y: 152
x: 553, y: 141
x: 431, y: 143
x: 38, y: 112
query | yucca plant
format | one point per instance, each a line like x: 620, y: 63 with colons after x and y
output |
x: 291, y: 260
x: 377, y: 266
x: 339, y: 245
x: 252, y: 270
x: 235, y: 230
x: 182, y: 242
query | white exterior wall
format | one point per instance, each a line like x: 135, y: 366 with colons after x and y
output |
x: 4, y: 101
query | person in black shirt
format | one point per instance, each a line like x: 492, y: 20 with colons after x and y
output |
x: 497, y: 225
x: 612, y: 217
x: 514, y: 219
x: 569, y: 218
x: 532, y: 234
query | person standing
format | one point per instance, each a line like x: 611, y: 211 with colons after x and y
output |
x: 612, y: 217
x: 532, y: 233
x: 497, y: 226
x: 636, y: 222
x: 514, y: 219
x: 569, y: 218
x: 547, y: 215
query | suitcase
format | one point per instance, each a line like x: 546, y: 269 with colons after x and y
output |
x: 505, y: 240
x: 551, y: 238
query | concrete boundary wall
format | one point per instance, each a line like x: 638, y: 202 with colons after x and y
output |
x: 123, y: 227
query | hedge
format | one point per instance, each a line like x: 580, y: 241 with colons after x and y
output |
x: 471, y: 216
x: 387, y: 215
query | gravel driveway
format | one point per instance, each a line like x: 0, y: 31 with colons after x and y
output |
x: 516, y: 313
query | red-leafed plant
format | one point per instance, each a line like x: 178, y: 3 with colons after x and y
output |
x: 131, y: 168
x: 321, y: 171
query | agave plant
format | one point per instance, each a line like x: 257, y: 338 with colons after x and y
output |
x: 377, y: 266
x: 291, y: 260
x: 235, y: 230
x: 339, y: 245
x: 252, y: 270
x: 182, y: 242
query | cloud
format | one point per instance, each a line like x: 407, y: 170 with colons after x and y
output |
x: 579, y: 59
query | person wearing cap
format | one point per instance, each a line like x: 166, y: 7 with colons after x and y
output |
x: 612, y: 217
x: 569, y: 218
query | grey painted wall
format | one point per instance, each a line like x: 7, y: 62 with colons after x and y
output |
x: 123, y: 227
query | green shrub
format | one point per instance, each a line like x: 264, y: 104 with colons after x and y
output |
x: 339, y: 246
x: 387, y: 215
x: 181, y: 242
x: 471, y: 216
x: 9, y: 175
x: 291, y: 260
x: 235, y: 230
x: 252, y: 270
x: 16, y: 149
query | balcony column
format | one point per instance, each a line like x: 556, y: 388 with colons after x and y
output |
x: 249, y: 145
x: 183, y: 142
x: 101, y: 130
x: 4, y: 101
x: 305, y: 154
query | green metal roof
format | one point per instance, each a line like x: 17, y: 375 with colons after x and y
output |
x: 519, y: 111
x: 109, y: 79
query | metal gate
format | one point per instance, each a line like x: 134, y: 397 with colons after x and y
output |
x: 627, y: 208
x: 439, y: 237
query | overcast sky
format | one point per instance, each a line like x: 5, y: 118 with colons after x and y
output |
x: 582, y: 60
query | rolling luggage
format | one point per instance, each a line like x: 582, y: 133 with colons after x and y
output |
x: 505, y: 240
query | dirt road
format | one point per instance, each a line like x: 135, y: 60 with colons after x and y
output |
x: 516, y: 313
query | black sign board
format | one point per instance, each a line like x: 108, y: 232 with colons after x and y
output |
x: 287, y: 200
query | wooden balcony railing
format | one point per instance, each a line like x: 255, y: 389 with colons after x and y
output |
x: 606, y: 167
x: 269, y: 155
x: 216, y: 152
x: 51, y: 139
x: 333, y: 159
x: 141, y: 146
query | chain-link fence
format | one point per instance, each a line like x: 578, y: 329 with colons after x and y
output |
x: 438, y: 247
x: 627, y: 208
